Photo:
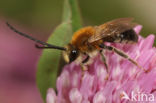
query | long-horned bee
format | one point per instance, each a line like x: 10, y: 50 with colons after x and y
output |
x: 92, y: 38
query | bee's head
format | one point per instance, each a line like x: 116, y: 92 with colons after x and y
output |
x: 71, y: 53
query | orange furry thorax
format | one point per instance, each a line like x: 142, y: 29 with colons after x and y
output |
x: 80, y: 39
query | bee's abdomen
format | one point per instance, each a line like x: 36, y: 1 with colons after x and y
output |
x: 128, y: 36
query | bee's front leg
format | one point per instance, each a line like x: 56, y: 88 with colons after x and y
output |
x: 84, y: 68
x: 104, y: 60
x: 86, y: 59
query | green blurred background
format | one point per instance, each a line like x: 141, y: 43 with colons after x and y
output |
x: 42, y: 16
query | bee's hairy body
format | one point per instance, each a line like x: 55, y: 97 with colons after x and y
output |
x: 88, y: 39
x: 80, y: 39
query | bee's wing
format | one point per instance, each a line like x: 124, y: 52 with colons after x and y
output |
x: 111, y: 28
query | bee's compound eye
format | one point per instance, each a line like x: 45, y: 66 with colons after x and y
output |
x: 74, y: 51
x: 73, y: 55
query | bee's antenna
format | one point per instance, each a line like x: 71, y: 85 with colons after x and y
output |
x: 37, y: 41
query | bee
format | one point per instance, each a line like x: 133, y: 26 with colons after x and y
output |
x: 92, y: 38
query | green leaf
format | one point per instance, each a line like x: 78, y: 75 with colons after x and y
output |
x: 50, y: 59
x: 66, y: 11
x: 76, y: 18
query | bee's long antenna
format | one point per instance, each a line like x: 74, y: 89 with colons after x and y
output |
x: 37, y: 41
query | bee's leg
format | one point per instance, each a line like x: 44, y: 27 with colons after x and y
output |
x: 82, y: 64
x: 104, y: 60
x: 84, y: 68
x: 121, y: 53
x: 86, y: 59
